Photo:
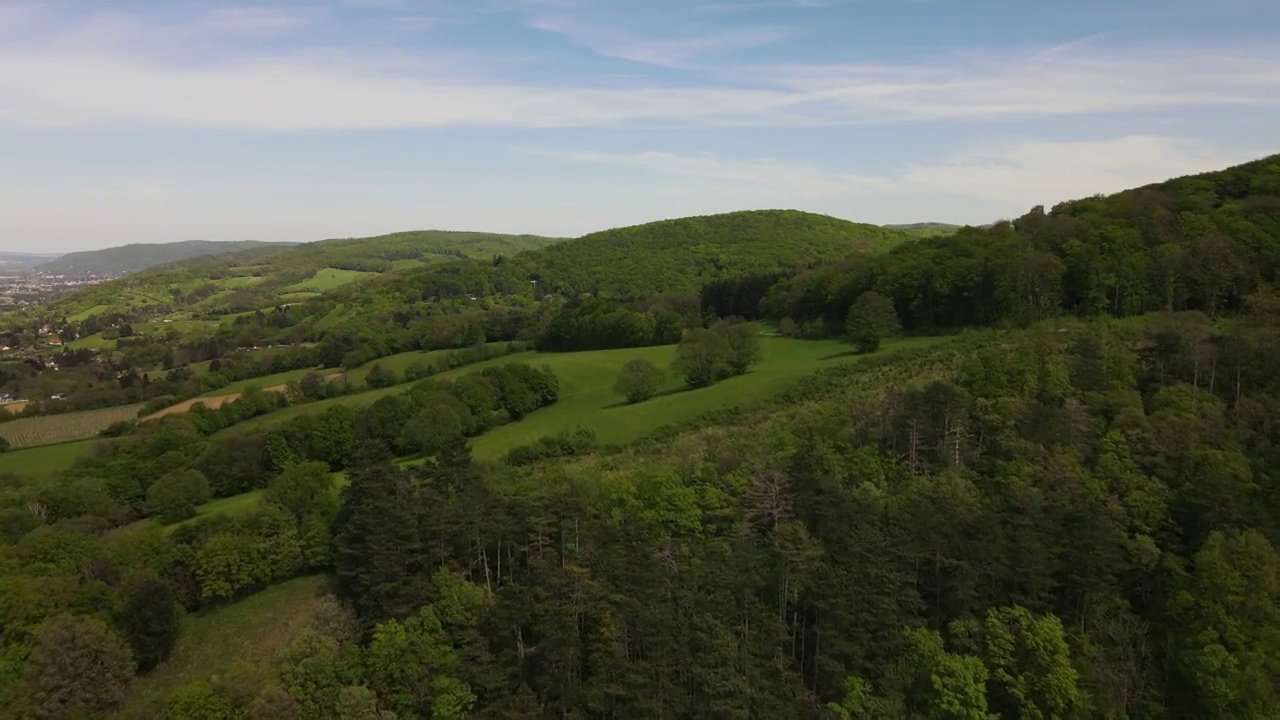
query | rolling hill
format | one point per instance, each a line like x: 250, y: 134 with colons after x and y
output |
x: 132, y: 258
x: 263, y: 276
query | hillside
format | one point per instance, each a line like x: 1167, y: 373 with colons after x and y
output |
x: 668, y: 256
x: 126, y: 259
x: 264, y: 276
x: 1057, y: 496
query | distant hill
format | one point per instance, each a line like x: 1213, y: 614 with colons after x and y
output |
x: 926, y: 229
x: 14, y: 262
x: 665, y: 256
x: 261, y: 275
x: 127, y: 259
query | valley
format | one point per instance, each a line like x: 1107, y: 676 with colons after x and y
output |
x: 768, y: 463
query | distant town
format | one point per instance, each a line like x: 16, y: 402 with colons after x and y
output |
x: 20, y: 289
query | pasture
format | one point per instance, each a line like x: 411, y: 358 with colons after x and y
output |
x: 66, y: 427
x: 45, y: 460
x: 587, y: 397
x: 92, y: 342
x: 89, y: 312
x: 251, y: 631
x: 328, y: 279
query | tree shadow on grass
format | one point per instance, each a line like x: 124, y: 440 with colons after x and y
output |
x: 843, y: 354
x: 669, y: 391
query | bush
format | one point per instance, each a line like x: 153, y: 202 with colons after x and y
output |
x: 638, y: 381
x: 176, y: 496
x: 118, y: 428
x: 702, y: 357
x: 563, y: 444
x: 871, y: 318
x: 380, y: 377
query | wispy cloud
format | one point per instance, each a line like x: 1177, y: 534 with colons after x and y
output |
x: 1006, y: 177
x: 678, y: 52
x: 122, y: 71
x: 254, y: 21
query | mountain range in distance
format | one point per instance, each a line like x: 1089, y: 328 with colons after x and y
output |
x: 135, y: 257
x: 125, y: 259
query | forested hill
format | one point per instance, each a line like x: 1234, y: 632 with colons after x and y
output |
x: 666, y: 256
x: 1200, y: 242
x: 139, y: 256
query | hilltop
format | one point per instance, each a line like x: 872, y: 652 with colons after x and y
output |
x: 125, y: 259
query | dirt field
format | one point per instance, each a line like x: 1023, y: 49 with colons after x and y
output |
x: 213, y: 403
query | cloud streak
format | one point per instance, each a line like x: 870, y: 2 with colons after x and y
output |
x: 1004, y: 178
x: 113, y: 72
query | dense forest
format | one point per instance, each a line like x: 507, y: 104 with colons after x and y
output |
x: 1067, y: 508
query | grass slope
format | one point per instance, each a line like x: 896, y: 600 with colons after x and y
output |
x: 52, y: 429
x: 587, y: 398
x: 43, y: 461
x: 327, y: 279
x: 252, y: 630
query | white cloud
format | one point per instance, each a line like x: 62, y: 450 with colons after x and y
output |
x: 118, y: 71
x: 1002, y: 179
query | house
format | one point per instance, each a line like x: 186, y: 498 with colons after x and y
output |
x: 58, y: 396
x: 55, y: 341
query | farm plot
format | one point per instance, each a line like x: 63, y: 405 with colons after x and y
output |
x: 51, y: 429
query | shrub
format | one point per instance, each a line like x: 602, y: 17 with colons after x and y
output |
x: 638, y: 381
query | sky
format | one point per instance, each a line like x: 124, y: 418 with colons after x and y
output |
x: 296, y: 120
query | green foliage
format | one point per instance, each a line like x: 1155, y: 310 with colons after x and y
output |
x: 706, y: 356
x: 871, y: 319
x: 175, y: 496
x: 639, y: 380
x: 199, y: 700
x: 702, y: 357
x: 379, y: 558
x: 378, y: 377
x: 1226, y: 622
x: 78, y: 667
x: 149, y: 620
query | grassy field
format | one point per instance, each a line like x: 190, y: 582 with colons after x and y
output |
x: 51, y: 429
x: 86, y: 314
x: 587, y: 397
x: 45, y: 460
x: 401, y: 362
x: 232, y: 283
x: 266, y: 381
x: 296, y: 297
x: 252, y: 631
x: 92, y: 342
x: 328, y: 279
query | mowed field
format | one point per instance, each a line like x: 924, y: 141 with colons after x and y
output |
x: 43, y: 461
x: 51, y: 429
x: 327, y: 279
x: 252, y: 630
x: 587, y: 397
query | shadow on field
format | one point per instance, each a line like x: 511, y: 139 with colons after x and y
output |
x: 845, y: 354
x: 664, y: 393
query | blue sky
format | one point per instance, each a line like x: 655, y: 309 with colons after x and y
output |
x: 144, y: 121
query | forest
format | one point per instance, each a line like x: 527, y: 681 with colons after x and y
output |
x: 1068, y: 506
